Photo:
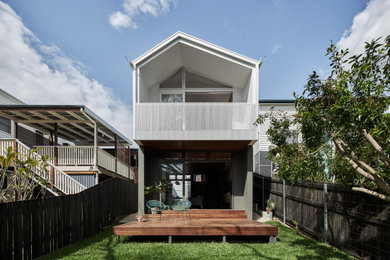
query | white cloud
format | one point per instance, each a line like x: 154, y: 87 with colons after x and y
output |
x: 134, y: 8
x: 373, y: 22
x: 276, y: 48
x: 41, y: 74
x: 118, y: 19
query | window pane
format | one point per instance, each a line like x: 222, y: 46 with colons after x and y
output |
x: 209, y: 97
x: 196, y: 81
x: 173, y: 82
x: 172, y: 98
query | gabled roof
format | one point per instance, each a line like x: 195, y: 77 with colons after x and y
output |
x: 180, y: 37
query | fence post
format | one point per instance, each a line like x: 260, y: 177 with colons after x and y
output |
x: 262, y: 196
x: 325, y: 212
x: 284, y: 202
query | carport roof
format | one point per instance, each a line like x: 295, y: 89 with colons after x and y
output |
x: 75, y: 123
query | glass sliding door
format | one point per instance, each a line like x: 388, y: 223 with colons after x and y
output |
x: 172, y: 172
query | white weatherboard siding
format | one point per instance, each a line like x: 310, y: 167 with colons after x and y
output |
x: 8, y: 99
x: 263, y: 165
x: 263, y: 142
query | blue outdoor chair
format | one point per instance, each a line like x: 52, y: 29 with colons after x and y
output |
x: 182, y: 206
x: 155, y: 206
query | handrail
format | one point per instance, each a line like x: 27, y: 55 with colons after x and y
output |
x: 106, y: 160
x: 62, y: 181
x: 83, y: 155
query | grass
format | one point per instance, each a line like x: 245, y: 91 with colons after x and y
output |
x: 290, y: 245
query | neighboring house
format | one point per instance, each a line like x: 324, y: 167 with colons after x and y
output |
x: 7, y: 125
x: 83, y: 149
x: 194, y: 106
x: 263, y: 166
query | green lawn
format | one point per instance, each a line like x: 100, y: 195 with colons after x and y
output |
x: 290, y: 245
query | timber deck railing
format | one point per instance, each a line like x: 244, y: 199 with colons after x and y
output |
x: 59, y: 179
x: 84, y: 156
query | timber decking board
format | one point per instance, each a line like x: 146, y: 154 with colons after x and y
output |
x: 196, y: 227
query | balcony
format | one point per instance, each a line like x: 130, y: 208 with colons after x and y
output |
x: 195, y: 121
x: 79, y: 156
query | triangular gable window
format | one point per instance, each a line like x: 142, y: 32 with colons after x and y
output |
x: 196, y: 81
x: 192, y: 81
x: 174, y: 81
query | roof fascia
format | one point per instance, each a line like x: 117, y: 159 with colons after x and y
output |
x: 192, y: 41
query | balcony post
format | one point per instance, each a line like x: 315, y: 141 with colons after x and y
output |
x: 95, y: 146
x: 55, y: 132
x: 116, y: 152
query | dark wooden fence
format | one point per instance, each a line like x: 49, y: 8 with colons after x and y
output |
x: 29, y: 229
x: 357, y: 223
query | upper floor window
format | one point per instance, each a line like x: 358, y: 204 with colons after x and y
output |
x: 174, y: 81
x: 190, y: 80
x: 187, y: 86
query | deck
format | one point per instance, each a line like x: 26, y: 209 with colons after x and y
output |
x: 202, y: 223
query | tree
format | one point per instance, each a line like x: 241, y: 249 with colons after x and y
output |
x: 344, y: 122
x: 18, y: 178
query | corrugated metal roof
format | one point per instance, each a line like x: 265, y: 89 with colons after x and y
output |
x: 74, y: 122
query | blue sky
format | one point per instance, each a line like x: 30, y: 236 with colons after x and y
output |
x: 80, y: 51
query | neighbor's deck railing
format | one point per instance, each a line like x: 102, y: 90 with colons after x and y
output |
x: 84, y: 156
x: 58, y: 178
x: 195, y: 121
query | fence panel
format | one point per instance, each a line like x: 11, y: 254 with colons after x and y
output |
x: 357, y: 223
x: 29, y: 229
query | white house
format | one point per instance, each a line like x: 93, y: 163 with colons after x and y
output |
x: 263, y: 166
x: 194, y: 105
x: 83, y: 149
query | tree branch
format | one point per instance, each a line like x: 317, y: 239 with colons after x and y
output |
x: 373, y: 175
x: 385, y: 158
x: 372, y: 193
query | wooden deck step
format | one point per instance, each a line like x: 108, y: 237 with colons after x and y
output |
x: 196, y: 227
x: 202, y: 214
x: 197, y: 216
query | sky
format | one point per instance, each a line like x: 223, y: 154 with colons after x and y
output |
x: 76, y: 52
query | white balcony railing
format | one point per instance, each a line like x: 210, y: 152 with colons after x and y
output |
x: 195, y: 121
x: 59, y: 179
x: 84, y: 156
x: 106, y: 160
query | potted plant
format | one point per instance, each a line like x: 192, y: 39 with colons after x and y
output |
x: 270, y: 206
x: 159, y: 189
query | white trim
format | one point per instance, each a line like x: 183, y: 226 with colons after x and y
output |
x: 180, y: 37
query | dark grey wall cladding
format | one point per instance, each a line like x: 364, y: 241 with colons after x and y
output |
x: 263, y: 158
x: 88, y: 180
x: 262, y: 164
x: 265, y: 170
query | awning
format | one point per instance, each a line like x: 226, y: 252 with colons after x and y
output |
x: 75, y: 123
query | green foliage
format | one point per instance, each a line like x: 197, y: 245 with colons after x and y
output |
x: 270, y: 205
x: 351, y: 109
x: 18, y: 176
x: 158, y: 188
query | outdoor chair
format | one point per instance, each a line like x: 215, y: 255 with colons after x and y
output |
x: 155, y: 206
x: 182, y: 206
